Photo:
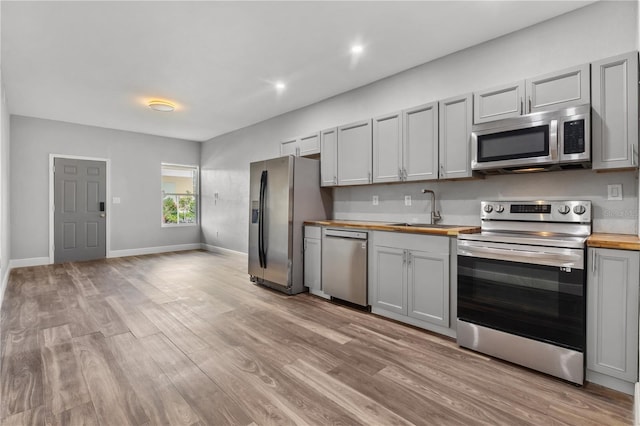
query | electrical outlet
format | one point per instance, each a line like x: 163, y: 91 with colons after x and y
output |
x: 375, y: 200
x: 614, y: 192
x: 116, y: 200
x: 407, y: 200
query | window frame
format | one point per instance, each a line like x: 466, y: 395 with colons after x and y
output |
x: 196, y: 194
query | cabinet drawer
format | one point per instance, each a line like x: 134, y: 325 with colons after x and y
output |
x: 312, y: 232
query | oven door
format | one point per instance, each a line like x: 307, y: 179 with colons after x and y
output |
x: 530, y: 291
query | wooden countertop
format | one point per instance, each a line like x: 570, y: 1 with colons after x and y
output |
x: 614, y: 241
x: 385, y: 226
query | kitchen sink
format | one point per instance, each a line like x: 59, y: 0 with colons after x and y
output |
x: 424, y: 225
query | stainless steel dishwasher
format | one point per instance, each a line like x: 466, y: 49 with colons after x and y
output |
x: 344, y: 265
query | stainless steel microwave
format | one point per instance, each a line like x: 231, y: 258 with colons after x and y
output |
x: 532, y: 142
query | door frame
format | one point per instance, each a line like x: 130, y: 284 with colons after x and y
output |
x: 107, y: 161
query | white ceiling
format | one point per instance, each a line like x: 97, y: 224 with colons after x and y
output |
x: 98, y: 62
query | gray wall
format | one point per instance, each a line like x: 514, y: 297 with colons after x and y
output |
x: 597, y: 31
x: 135, y: 178
x: 5, y: 253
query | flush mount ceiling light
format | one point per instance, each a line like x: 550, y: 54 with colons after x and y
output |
x: 357, y: 49
x: 162, y: 106
x: 280, y: 85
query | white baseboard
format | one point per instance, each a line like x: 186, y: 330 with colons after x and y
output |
x: 5, y: 281
x: 636, y: 405
x: 153, y: 250
x: 32, y: 261
x: 221, y: 250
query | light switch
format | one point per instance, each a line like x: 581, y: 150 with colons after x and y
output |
x: 375, y: 200
x: 116, y: 200
x: 407, y: 200
x: 614, y: 192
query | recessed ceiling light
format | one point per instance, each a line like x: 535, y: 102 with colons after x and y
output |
x: 280, y: 85
x: 357, y: 49
x: 162, y: 106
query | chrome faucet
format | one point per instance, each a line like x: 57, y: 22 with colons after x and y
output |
x: 435, y: 215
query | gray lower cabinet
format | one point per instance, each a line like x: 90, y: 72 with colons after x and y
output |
x: 410, y: 276
x: 313, y: 259
x: 614, y: 118
x: 612, y: 313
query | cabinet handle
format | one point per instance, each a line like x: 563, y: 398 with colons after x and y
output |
x: 442, y: 170
x: 404, y: 257
x: 521, y: 106
x: 369, y: 177
x: 409, y: 256
x: 632, y: 153
x: 400, y: 177
x: 404, y: 171
x: 335, y: 180
x: 529, y: 112
x: 593, y: 261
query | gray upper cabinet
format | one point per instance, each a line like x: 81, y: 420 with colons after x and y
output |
x: 309, y: 145
x: 614, y: 118
x: 289, y: 147
x: 405, y: 145
x: 455, y: 137
x: 560, y: 89
x: 301, y: 147
x: 354, y: 153
x: 420, y: 142
x: 387, y: 148
x: 329, y: 157
x: 612, y: 313
x: 498, y: 102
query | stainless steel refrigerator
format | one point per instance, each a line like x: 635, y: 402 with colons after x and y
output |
x: 284, y: 192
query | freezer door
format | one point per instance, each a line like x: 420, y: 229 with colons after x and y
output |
x: 254, y: 217
x: 278, y: 218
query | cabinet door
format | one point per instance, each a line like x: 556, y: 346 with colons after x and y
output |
x: 420, y: 142
x: 498, y: 103
x: 612, y: 313
x: 312, y: 263
x: 614, y: 118
x: 309, y: 145
x: 329, y: 157
x: 455, y: 137
x: 561, y: 89
x: 289, y: 147
x: 428, y: 287
x: 389, y: 279
x: 387, y: 148
x: 354, y: 153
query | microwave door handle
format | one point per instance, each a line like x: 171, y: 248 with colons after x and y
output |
x: 523, y: 256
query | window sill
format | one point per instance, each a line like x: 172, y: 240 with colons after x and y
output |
x: 178, y: 225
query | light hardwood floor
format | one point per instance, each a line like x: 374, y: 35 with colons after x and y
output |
x: 186, y: 339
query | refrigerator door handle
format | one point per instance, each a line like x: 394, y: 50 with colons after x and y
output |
x: 262, y: 255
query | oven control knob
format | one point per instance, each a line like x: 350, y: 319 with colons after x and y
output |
x: 564, y: 209
x: 488, y: 208
x: 579, y: 209
x: 499, y: 208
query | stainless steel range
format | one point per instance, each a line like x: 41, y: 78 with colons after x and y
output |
x: 522, y: 285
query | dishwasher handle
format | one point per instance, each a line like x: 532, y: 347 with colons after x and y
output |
x: 337, y: 233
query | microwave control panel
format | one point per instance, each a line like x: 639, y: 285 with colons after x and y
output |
x: 574, y: 141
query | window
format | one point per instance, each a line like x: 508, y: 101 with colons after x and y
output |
x: 179, y: 195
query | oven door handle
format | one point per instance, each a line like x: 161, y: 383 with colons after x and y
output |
x: 564, y: 260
